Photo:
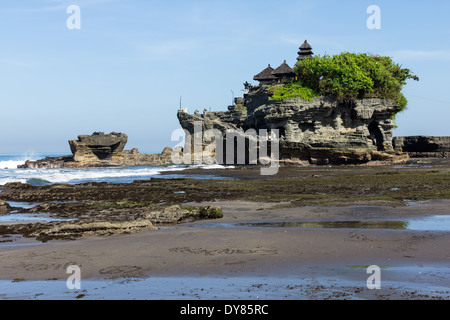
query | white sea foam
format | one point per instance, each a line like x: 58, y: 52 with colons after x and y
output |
x: 11, y: 164
x: 10, y: 173
x: 79, y: 175
x: 11, y: 161
x: 211, y: 166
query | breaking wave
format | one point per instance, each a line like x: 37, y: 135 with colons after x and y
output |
x: 11, y: 164
x: 11, y: 161
x: 39, y: 177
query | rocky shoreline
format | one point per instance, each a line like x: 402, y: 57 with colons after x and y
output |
x: 95, y: 209
x: 102, y: 208
x: 113, y: 235
x: 323, y: 131
x: 103, y: 222
x: 406, y: 148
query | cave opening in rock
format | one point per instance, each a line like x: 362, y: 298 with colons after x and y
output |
x: 103, y: 153
x: 376, y: 135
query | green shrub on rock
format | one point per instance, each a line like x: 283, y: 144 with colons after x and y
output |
x: 292, y: 90
x: 351, y: 76
x: 348, y: 76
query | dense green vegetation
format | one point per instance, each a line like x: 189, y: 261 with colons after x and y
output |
x: 348, y: 76
x: 292, y: 90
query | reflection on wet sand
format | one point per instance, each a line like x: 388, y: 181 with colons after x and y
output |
x: 432, y: 223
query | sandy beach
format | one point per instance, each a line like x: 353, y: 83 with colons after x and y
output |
x: 326, y: 263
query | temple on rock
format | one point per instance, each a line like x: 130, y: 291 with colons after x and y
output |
x: 324, y: 130
x: 284, y: 73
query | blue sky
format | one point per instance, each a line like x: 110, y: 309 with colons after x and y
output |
x: 127, y: 67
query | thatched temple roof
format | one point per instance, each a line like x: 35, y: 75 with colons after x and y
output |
x: 283, y: 70
x: 305, y: 51
x: 266, y: 74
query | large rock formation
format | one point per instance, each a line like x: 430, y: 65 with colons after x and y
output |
x: 423, y: 146
x: 102, y: 150
x: 99, y: 146
x: 322, y: 131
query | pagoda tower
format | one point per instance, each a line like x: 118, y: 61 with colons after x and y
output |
x: 305, y: 51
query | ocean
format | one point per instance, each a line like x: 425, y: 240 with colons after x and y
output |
x: 38, y: 177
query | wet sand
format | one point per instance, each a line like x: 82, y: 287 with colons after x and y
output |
x: 314, y: 263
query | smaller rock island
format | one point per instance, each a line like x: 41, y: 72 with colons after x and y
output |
x: 101, y: 150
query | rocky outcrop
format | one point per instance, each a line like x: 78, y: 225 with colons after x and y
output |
x: 78, y: 229
x: 132, y: 158
x: 102, y: 150
x: 50, y: 163
x: 423, y: 146
x: 176, y: 213
x: 99, y: 146
x: 4, y: 207
x: 322, y: 131
x: 96, y: 209
x: 98, y: 221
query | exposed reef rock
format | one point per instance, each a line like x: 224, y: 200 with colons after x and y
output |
x: 322, y: 131
x: 102, y: 150
x: 96, y: 220
x: 423, y: 146
x: 96, y: 209
x: 174, y: 201
x: 4, y: 207
x: 74, y: 230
